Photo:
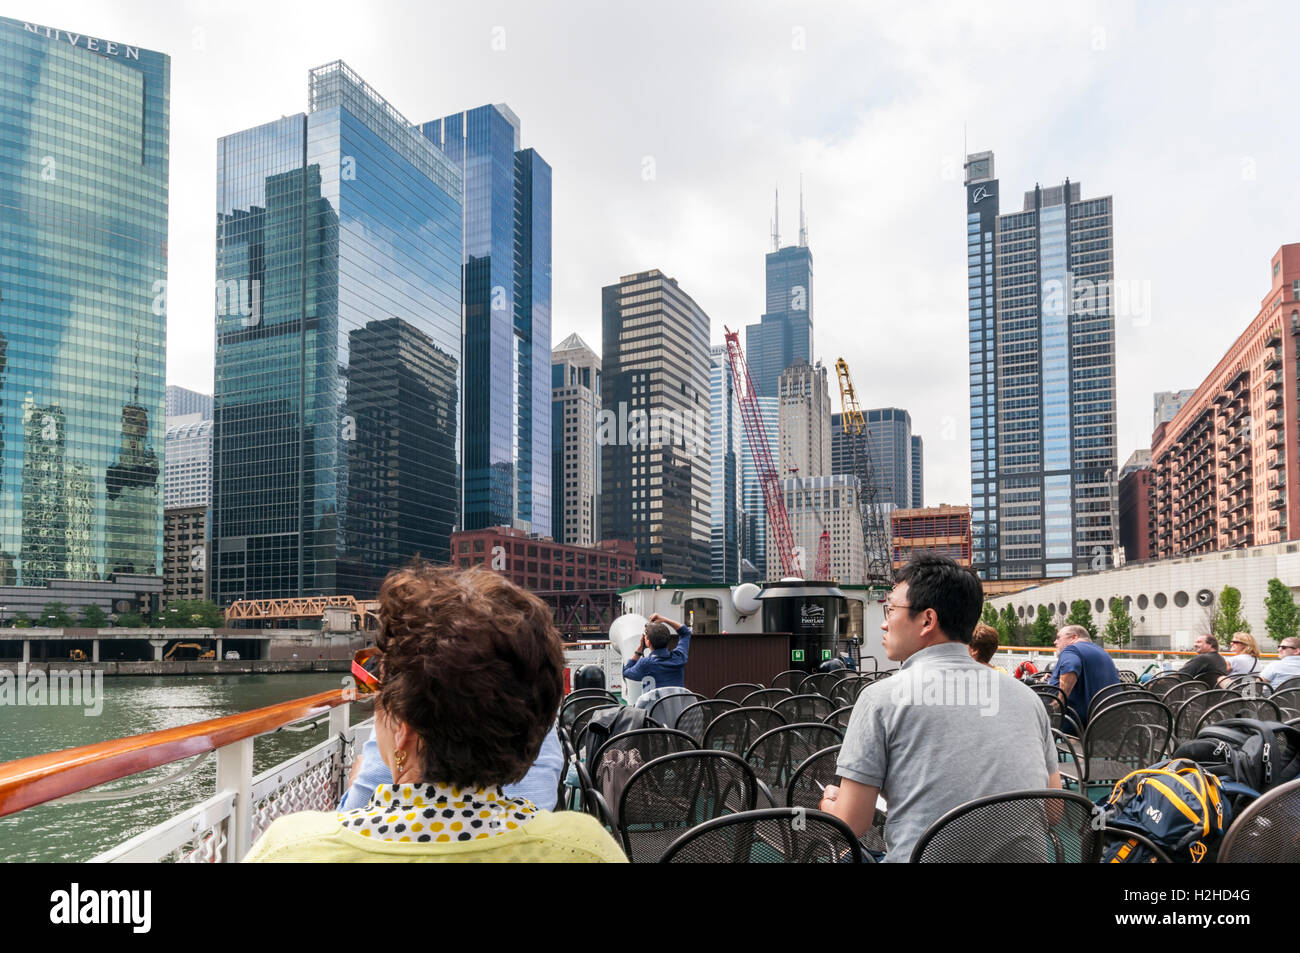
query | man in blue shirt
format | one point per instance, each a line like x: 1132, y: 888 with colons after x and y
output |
x: 1082, y: 669
x: 657, y: 662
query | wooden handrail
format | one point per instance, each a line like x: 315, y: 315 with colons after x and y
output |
x: 45, y: 777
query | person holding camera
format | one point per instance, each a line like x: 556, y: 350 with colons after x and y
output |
x: 662, y: 654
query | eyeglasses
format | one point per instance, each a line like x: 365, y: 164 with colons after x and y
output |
x: 365, y: 669
x: 1236, y: 642
x: 1293, y: 648
x: 891, y: 606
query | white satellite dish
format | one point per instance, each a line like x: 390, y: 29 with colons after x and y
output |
x: 745, y: 598
x: 625, y: 633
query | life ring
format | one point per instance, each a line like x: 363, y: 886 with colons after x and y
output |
x: 1025, y: 668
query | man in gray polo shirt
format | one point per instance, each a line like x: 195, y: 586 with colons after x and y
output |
x: 945, y: 729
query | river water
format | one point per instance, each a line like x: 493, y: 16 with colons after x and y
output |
x: 131, y: 706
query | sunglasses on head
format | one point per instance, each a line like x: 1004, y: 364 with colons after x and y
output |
x: 365, y: 670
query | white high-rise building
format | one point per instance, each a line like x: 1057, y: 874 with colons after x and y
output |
x: 575, y: 463
x: 187, y: 464
x: 824, y: 503
x: 805, y: 422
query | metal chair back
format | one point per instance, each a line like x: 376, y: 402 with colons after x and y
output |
x: 765, y: 697
x: 1189, y: 712
x: 648, y: 743
x: 1022, y: 827
x: 664, y: 799
x: 1110, y: 691
x: 664, y: 711
x: 1262, y: 708
x: 775, y: 754
x: 818, y: 683
x: 1123, y: 737
x: 736, y: 692
x: 695, y: 718
x: 1268, y: 831
x: 791, y: 678
x: 805, y: 708
x: 1287, y: 701
x: 768, y: 836
x: 737, y: 729
x: 839, y: 718
x: 847, y: 690
x: 1180, y: 691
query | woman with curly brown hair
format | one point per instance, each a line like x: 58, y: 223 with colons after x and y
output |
x: 467, y: 678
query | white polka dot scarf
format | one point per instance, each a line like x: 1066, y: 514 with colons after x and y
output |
x: 436, y: 813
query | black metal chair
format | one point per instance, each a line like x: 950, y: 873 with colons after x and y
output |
x: 1055, y: 701
x: 1187, y: 714
x: 737, y: 691
x: 1127, y: 676
x: 579, y: 728
x: 1288, y: 702
x: 590, y: 693
x: 818, y: 683
x: 737, y: 729
x: 808, y: 783
x: 778, y: 835
x: 648, y: 743
x: 664, y: 799
x: 1262, y: 708
x: 1267, y: 832
x: 789, y: 679
x: 1292, y: 682
x: 573, y: 707
x: 805, y: 708
x: 775, y: 754
x: 1180, y: 692
x: 1110, y: 691
x: 847, y: 690
x: 1122, y: 737
x: 839, y: 718
x: 1165, y: 681
x: 1026, y: 827
x: 665, y: 710
x: 765, y: 697
x: 695, y: 718
x: 863, y: 660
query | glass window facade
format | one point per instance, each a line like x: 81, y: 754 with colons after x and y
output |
x: 336, y: 434
x: 785, y: 332
x: 725, y: 488
x: 507, y: 306
x: 83, y: 268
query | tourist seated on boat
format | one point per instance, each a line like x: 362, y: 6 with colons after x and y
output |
x: 944, y: 729
x: 1082, y: 669
x: 467, y: 677
x: 1246, y: 660
x: 984, y: 645
x: 1208, y: 665
x: 1287, y: 664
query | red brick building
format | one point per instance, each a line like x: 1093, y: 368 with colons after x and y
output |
x: 1224, y: 471
x: 944, y: 530
x: 542, y: 564
x: 1135, y: 514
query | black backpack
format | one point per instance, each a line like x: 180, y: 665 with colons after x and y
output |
x: 1258, y: 754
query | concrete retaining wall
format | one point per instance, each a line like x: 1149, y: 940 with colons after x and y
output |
x: 193, y: 667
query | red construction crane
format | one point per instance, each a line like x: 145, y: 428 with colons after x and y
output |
x: 824, y: 556
x: 778, y: 521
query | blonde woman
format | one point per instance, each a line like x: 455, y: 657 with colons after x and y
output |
x: 1246, y: 659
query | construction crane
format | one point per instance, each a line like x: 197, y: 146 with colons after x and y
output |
x: 824, y: 556
x: 778, y: 520
x: 875, y: 539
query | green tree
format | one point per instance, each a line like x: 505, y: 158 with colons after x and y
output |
x: 185, y: 614
x: 1007, y: 625
x: 1283, y: 620
x: 93, y: 617
x: 1119, y: 627
x: 131, y: 619
x: 22, y: 620
x: 1044, y: 629
x: 1081, y: 614
x: 1228, y: 618
x: 990, y: 615
x: 55, y: 615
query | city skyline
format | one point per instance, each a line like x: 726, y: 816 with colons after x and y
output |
x: 1196, y: 125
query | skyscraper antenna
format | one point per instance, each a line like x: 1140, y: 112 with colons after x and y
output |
x: 803, y: 224
x: 776, y: 221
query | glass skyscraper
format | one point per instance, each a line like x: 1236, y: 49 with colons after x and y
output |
x: 83, y: 269
x: 507, y: 288
x: 336, y: 440
x: 1042, y: 379
x: 785, y: 332
x: 726, y: 440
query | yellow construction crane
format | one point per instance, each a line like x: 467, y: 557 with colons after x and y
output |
x: 875, y: 535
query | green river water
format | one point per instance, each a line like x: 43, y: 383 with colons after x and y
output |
x: 135, y: 705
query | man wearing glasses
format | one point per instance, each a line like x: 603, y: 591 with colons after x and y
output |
x: 922, y: 738
x: 1287, y: 664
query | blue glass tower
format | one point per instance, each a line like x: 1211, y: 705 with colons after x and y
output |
x: 336, y: 440
x: 785, y: 332
x: 83, y: 269
x: 507, y: 288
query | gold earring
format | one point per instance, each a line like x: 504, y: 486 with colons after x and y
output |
x: 399, y: 757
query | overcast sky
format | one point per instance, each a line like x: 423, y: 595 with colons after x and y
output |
x: 669, y: 124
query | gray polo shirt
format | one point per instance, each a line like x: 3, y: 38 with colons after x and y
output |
x: 942, y: 731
